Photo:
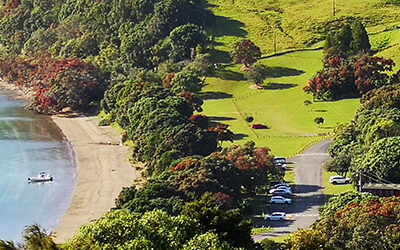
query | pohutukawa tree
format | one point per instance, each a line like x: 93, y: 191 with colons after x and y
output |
x: 245, y: 52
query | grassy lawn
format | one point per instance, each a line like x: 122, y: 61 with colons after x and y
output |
x: 280, y: 105
x: 333, y: 190
x: 295, y: 23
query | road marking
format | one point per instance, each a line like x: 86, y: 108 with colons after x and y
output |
x: 305, y: 215
x: 315, y: 154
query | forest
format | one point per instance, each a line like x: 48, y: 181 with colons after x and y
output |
x: 142, y: 65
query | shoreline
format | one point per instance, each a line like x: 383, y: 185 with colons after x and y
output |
x: 102, y: 167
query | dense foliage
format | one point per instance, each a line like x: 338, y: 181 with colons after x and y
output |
x: 349, y: 68
x: 370, y: 143
x: 353, y: 221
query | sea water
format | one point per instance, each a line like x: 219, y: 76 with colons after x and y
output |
x: 30, y: 144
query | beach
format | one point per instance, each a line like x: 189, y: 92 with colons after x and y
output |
x: 102, y: 164
x: 103, y: 169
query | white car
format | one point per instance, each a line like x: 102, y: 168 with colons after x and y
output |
x: 339, y: 180
x: 275, y: 184
x: 281, y: 188
x: 279, y: 160
x: 280, y: 200
x: 276, y: 216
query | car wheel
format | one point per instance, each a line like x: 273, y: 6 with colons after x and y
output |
x: 334, y: 182
x: 281, y: 219
x: 346, y: 182
x: 268, y: 219
x: 286, y: 202
x: 273, y: 202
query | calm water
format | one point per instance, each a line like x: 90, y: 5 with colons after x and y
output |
x: 30, y: 144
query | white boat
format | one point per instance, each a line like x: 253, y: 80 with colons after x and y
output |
x: 41, y: 177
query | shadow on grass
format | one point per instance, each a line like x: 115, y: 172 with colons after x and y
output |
x: 227, y: 74
x: 219, y: 56
x: 223, y: 26
x: 321, y: 110
x: 279, y: 86
x: 237, y: 137
x: 221, y: 118
x: 277, y: 71
x: 210, y: 95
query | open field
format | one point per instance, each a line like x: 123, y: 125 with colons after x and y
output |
x: 295, y: 23
x: 280, y: 105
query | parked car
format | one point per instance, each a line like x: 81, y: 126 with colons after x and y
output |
x: 276, y: 183
x: 280, y: 200
x: 276, y: 216
x: 281, y: 188
x: 279, y: 184
x: 339, y: 180
x: 279, y: 160
x: 282, y: 192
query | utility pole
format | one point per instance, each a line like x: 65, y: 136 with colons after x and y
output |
x: 334, y: 8
x: 274, y: 39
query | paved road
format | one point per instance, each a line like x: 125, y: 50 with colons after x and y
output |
x: 308, y: 192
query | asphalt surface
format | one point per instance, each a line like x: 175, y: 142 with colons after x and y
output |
x: 307, y: 193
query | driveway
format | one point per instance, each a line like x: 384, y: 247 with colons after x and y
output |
x: 308, y: 193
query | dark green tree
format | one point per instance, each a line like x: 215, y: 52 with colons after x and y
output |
x: 360, y: 41
x: 257, y: 73
x: 344, y: 39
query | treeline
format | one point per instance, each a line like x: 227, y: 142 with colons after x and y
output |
x: 350, y: 67
x: 143, y: 64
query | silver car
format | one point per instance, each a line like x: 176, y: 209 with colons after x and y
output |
x: 276, y: 216
x: 280, y: 200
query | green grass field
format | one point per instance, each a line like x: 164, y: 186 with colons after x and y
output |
x: 333, y: 190
x: 294, y: 23
x: 280, y: 105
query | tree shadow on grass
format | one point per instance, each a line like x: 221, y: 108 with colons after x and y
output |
x: 277, y: 71
x: 219, y: 56
x: 223, y: 26
x: 237, y: 137
x: 215, y: 95
x: 221, y: 118
x: 279, y: 86
x: 226, y: 74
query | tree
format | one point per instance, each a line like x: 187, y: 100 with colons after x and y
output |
x: 36, y: 239
x: 184, y: 39
x: 344, y: 38
x: 257, y: 73
x: 245, y: 52
x: 229, y: 225
x: 360, y: 41
x: 319, y: 120
x: 383, y: 159
x: 305, y: 239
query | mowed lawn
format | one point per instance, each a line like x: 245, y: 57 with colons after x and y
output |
x: 280, y: 105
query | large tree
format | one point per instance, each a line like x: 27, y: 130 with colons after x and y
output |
x: 245, y: 52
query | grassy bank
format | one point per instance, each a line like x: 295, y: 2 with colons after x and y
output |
x: 280, y: 105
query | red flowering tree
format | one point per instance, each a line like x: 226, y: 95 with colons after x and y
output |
x: 351, y: 77
x: 227, y: 172
x: 56, y: 84
x: 370, y: 72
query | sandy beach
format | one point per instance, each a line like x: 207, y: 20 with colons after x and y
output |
x: 103, y: 169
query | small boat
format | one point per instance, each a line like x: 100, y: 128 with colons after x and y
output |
x: 41, y: 177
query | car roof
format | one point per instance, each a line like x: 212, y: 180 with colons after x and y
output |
x: 281, y: 213
x: 336, y: 176
x: 277, y: 197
